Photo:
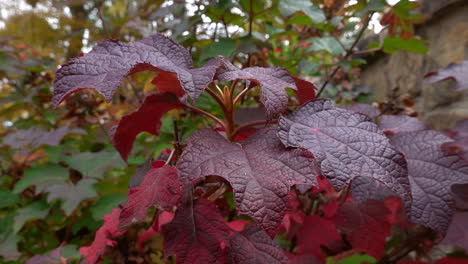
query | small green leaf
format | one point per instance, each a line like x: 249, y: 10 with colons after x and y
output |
x: 42, y: 177
x: 224, y: 47
x: 392, y: 44
x: 8, y: 198
x: 94, y: 164
x: 357, y: 259
x: 105, y: 205
x: 37, y: 210
x: 327, y: 43
x: 289, y: 7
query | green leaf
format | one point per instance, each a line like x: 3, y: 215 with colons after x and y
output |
x: 94, y: 164
x: 327, y: 43
x: 372, y: 6
x: 224, y: 47
x: 289, y: 7
x: 8, y: 198
x: 71, y: 194
x: 37, y: 210
x: 393, y: 44
x: 42, y: 177
x: 357, y: 259
x: 105, y: 205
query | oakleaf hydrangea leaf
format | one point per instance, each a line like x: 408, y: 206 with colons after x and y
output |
x: 366, y: 225
x: 260, y: 170
x: 457, y: 233
x: 432, y: 172
x: 195, y: 234
x: 107, y: 64
x: 459, y: 72
x: 160, y: 186
x: 392, y: 124
x: 346, y: 145
x: 252, y: 246
x: 365, y: 109
x: 273, y: 82
x: 104, y: 237
x: 146, y: 119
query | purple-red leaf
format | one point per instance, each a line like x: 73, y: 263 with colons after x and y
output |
x: 103, y: 238
x: 273, y: 82
x: 36, y: 137
x: 260, y: 170
x: 317, y: 232
x: 432, y: 172
x: 346, y: 145
x: 160, y: 186
x: 168, y: 82
x: 458, y: 72
x: 457, y: 233
x: 252, y: 246
x: 392, y: 124
x: 366, y: 225
x: 196, y: 233
x: 107, y: 64
x: 305, y: 90
x: 365, y: 109
x: 146, y: 119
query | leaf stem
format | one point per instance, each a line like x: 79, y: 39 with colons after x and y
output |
x: 256, y: 123
x: 241, y: 94
x: 348, y: 53
x: 216, y: 97
x: 198, y: 110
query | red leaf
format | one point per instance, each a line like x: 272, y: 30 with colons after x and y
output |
x: 458, y: 72
x: 238, y: 225
x: 294, y: 216
x: 451, y: 260
x: 103, y: 238
x: 366, y: 225
x: 432, y: 172
x: 316, y: 232
x: 168, y: 82
x: 273, y: 82
x: 346, y: 145
x: 253, y: 246
x: 303, y: 259
x: 392, y: 124
x: 195, y: 234
x: 155, y: 228
x: 365, y: 109
x: 160, y: 186
x: 457, y: 233
x: 110, y: 61
x: 146, y: 119
x: 305, y: 90
x: 260, y: 170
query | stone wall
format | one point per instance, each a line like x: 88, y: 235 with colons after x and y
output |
x: 446, y: 30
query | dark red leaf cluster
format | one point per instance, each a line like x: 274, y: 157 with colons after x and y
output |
x: 361, y: 177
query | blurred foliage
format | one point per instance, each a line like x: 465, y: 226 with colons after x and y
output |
x: 59, y: 172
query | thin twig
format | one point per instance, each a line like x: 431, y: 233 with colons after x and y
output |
x: 251, y: 16
x: 221, y: 123
x: 256, y: 123
x: 170, y: 156
x: 348, y: 53
x: 359, y: 52
x: 240, y: 94
x: 215, y: 96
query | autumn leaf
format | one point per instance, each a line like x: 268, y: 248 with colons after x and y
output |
x: 260, y: 170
